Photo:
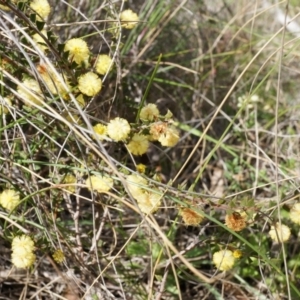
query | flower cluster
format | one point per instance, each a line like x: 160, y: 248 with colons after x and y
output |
x: 148, y: 201
x: 100, y: 131
x: 22, y: 251
x: 118, y: 129
x: 9, y: 199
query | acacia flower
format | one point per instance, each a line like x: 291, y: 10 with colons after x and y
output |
x: 70, y: 179
x: 103, y: 64
x: 170, y: 137
x: 149, y: 112
x: 138, y: 144
x: 58, y: 256
x: 295, y: 213
x: 99, y: 183
x: 42, y: 8
x: 118, y: 129
x: 280, y: 233
x: 100, y: 131
x: 9, y: 199
x: 223, y: 260
x: 54, y: 82
x: 235, y: 221
x: 148, y: 202
x: 157, y: 129
x: 129, y: 19
x: 39, y: 41
x: 4, y: 104
x: 191, y: 217
x: 237, y: 253
x: 29, y: 91
x: 22, y: 251
x: 136, y: 185
x: 89, y: 84
x: 141, y: 168
x: 78, y: 50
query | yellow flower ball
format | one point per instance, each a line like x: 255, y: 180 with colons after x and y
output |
x: 224, y: 260
x: 99, y: 183
x: 118, y: 129
x: 170, y: 137
x: 149, y: 113
x: 89, y: 84
x: 22, y: 243
x: 23, y: 261
x: 39, y: 41
x: 136, y: 185
x: 9, y: 199
x: 78, y: 50
x: 100, y: 131
x: 148, y: 202
x: 280, y: 233
x: 237, y: 253
x: 4, y: 104
x: 29, y: 91
x: 141, y: 168
x: 103, y: 64
x: 58, y: 256
x: 70, y: 179
x: 138, y: 144
x: 295, y: 213
x: 54, y: 82
x: 22, y: 251
x: 129, y: 19
x: 42, y: 9
x: 157, y: 129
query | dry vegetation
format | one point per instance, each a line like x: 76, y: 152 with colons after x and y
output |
x: 228, y: 71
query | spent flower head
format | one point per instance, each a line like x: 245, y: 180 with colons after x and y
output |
x: 129, y: 19
x: 170, y: 137
x: 118, y: 129
x: 235, y: 221
x: 224, y: 260
x: 280, y: 233
x: 103, y: 64
x: 138, y: 144
x: 89, y: 84
x: 9, y: 199
x: 99, y: 183
x: 191, y: 217
x: 78, y: 51
x: 295, y: 213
